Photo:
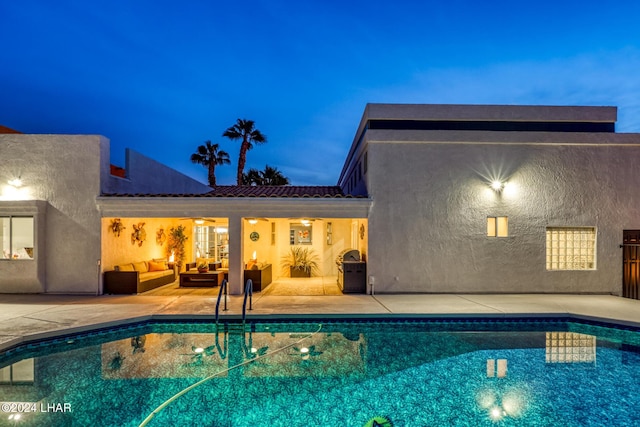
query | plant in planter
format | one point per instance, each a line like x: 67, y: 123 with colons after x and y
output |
x: 301, y: 262
x: 203, y: 267
x: 175, y: 244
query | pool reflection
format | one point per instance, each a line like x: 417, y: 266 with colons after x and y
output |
x: 198, y: 355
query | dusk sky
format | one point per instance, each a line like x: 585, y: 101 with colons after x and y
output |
x: 161, y: 77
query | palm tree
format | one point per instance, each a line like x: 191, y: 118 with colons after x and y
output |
x: 268, y: 176
x: 246, y: 131
x: 252, y: 177
x: 272, y: 176
x: 209, y: 156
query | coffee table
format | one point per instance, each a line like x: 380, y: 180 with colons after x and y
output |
x: 201, y: 280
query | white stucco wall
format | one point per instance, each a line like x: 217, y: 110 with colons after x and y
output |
x: 148, y: 176
x: 431, y: 199
x: 63, y: 172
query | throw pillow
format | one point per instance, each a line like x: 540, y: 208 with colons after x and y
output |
x: 140, y: 266
x: 157, y: 266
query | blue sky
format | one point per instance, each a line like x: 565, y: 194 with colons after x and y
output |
x: 161, y: 77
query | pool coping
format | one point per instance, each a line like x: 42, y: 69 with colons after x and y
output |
x: 24, y: 340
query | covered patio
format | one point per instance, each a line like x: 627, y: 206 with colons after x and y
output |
x: 258, y: 228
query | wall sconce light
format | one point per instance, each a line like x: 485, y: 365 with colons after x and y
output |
x: 16, y: 190
x: 497, y: 186
x: 16, y: 182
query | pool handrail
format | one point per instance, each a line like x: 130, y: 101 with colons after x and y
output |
x: 248, y: 291
x: 223, y: 288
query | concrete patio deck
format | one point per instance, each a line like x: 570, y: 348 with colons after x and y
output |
x: 29, y: 317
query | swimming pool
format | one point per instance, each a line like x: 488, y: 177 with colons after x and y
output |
x: 413, y: 372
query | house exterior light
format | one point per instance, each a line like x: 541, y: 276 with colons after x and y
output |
x: 497, y: 186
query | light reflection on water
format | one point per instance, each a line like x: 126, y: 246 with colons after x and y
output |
x: 416, y: 374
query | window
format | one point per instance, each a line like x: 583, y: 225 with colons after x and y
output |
x: 210, y: 241
x: 497, y: 226
x: 571, y: 248
x: 17, y: 236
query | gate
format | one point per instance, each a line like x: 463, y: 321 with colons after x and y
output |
x: 631, y: 264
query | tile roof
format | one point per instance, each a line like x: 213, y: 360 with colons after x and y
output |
x: 264, y: 191
x: 118, y: 171
x: 276, y: 191
x: 4, y: 129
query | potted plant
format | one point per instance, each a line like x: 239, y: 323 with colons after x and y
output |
x: 301, y: 262
x: 203, y: 267
x: 175, y: 245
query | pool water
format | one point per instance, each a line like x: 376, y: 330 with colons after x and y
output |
x: 413, y: 373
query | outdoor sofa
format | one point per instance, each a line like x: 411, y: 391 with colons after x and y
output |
x: 137, y: 277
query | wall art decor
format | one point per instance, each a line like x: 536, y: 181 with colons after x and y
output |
x: 139, y: 235
x: 117, y: 226
x: 160, y: 237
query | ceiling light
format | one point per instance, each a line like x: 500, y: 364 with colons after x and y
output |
x: 16, y: 182
x: 199, y: 221
x: 253, y: 221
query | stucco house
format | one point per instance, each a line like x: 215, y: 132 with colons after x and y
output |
x: 477, y: 198
x: 436, y: 199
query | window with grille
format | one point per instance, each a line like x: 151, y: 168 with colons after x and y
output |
x: 571, y: 248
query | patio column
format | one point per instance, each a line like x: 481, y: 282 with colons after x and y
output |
x: 236, y: 266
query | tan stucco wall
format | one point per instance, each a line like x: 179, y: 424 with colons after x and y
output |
x: 273, y: 254
x: 118, y: 250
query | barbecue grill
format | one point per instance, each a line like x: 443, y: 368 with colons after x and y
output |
x: 352, y: 273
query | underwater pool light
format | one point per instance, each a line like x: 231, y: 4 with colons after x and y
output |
x: 496, y: 413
